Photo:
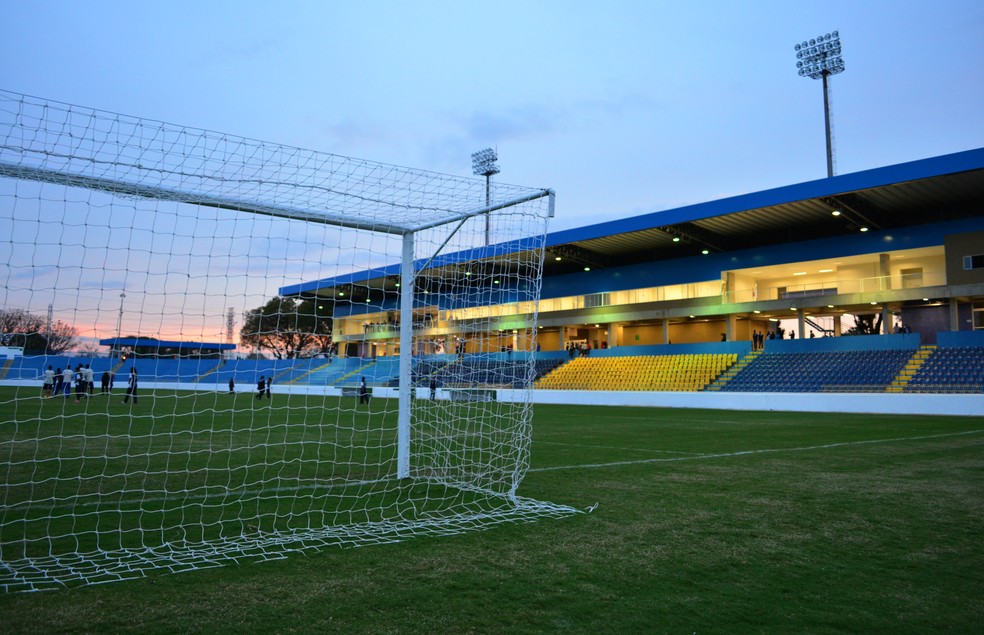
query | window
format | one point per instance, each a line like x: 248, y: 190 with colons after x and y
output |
x: 596, y: 300
x: 974, y: 262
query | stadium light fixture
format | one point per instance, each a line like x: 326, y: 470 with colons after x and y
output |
x: 119, y: 323
x: 819, y: 58
x: 484, y: 164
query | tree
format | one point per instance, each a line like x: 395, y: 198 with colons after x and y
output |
x: 22, y: 328
x: 288, y: 327
x: 869, y: 324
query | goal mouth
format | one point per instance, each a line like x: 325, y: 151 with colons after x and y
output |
x: 228, y: 345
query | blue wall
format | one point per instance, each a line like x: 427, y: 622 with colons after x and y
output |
x: 960, y: 338
x: 845, y: 343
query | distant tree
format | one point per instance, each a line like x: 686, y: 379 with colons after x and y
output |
x: 288, y: 328
x: 869, y: 324
x: 22, y: 328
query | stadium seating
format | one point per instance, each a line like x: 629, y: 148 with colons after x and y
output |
x: 958, y: 369
x: 841, y: 371
x: 685, y: 373
x: 476, y: 371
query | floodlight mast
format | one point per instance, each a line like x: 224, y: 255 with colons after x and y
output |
x: 818, y: 59
x: 483, y: 164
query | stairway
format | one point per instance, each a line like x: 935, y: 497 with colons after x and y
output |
x: 911, y: 368
x: 729, y: 374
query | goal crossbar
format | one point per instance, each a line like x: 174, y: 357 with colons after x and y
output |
x: 126, y: 188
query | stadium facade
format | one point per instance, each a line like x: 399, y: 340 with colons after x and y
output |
x: 903, y: 243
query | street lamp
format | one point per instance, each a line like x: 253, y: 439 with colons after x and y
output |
x: 818, y: 59
x: 483, y: 164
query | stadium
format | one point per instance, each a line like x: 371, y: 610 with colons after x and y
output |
x: 678, y: 396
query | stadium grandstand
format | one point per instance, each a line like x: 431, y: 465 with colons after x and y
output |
x: 864, y: 282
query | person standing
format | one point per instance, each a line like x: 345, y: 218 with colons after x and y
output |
x: 79, y: 383
x: 260, y: 387
x: 49, y: 383
x: 433, y: 388
x: 363, y: 392
x: 67, y: 376
x: 59, y: 378
x: 269, y: 383
x: 131, y: 386
x: 232, y: 385
x: 90, y: 379
x: 105, y: 382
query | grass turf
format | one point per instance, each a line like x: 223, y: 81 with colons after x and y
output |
x: 707, y: 521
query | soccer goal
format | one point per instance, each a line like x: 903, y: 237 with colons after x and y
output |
x: 162, y: 272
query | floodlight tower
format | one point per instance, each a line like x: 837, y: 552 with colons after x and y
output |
x: 818, y: 59
x: 483, y: 164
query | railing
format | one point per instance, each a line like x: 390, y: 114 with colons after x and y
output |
x: 836, y: 287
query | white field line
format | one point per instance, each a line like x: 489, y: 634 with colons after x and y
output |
x: 612, y: 447
x: 700, y: 457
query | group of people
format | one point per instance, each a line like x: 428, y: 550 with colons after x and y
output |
x: 82, y: 379
x: 574, y: 349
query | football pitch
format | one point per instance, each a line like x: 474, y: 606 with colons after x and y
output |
x: 700, y: 521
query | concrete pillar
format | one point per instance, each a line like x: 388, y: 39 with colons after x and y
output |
x: 729, y: 290
x: 954, y: 315
x: 731, y: 328
x: 614, y: 334
x: 887, y: 321
x: 666, y: 331
x: 837, y: 325
x: 800, y: 324
x: 885, y: 271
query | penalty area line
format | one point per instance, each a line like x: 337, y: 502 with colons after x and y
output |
x: 723, y: 455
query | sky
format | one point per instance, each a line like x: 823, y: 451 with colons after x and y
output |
x: 622, y: 108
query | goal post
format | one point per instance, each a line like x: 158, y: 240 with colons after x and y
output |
x: 144, y: 240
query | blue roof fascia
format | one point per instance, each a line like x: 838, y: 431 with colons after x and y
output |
x: 876, y: 177
x: 441, y: 260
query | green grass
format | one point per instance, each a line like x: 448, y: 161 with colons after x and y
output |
x: 707, y: 522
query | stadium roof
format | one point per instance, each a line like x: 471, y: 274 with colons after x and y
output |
x: 944, y: 188
x: 145, y: 342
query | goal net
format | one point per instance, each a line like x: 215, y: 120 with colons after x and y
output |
x: 155, y: 276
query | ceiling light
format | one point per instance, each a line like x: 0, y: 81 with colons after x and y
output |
x: 826, y: 271
x: 676, y: 239
x: 467, y: 273
x: 836, y: 212
x: 587, y: 268
x: 756, y: 312
x: 558, y: 258
x: 800, y: 273
x: 864, y: 229
x: 830, y: 306
x: 874, y: 303
x: 691, y: 316
x: 704, y: 251
x: 925, y: 299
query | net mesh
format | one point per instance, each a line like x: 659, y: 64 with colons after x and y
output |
x: 162, y: 273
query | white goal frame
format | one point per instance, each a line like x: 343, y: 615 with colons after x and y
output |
x: 66, y: 146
